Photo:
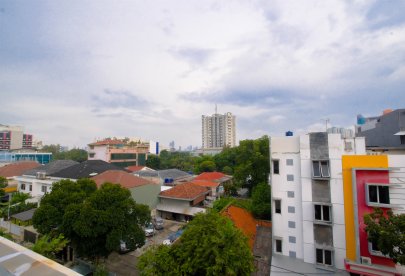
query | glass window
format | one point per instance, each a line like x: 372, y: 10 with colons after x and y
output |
x: 277, y: 205
x: 30, y: 188
x: 320, y: 168
x: 290, y: 177
x: 316, y: 168
x: 279, y: 246
x: 322, y: 212
x: 325, y: 168
x: 324, y: 256
x: 290, y: 162
x: 43, y: 189
x: 276, y: 167
x: 378, y: 194
x: 22, y: 186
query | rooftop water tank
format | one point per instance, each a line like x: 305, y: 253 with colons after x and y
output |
x: 289, y: 133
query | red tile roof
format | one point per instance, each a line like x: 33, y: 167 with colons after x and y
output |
x: 17, y: 169
x: 134, y: 168
x: 205, y: 183
x: 185, y: 191
x: 126, y: 180
x: 210, y: 176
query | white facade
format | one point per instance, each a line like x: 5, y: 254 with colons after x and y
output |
x: 218, y: 131
x: 36, y: 186
x: 300, y: 193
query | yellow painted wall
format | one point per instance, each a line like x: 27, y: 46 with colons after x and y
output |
x: 349, y: 162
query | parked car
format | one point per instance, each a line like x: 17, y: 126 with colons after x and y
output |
x: 157, y: 223
x: 149, y: 230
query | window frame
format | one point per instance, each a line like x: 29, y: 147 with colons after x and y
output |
x: 323, y: 263
x: 278, y: 166
x: 46, y: 189
x: 322, y: 174
x: 378, y: 203
x: 280, y: 240
x: 22, y: 186
x: 322, y: 220
x: 275, y: 206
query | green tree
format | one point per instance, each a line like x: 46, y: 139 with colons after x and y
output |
x: 252, y: 163
x: 49, y: 246
x: 75, y: 154
x: 95, y: 221
x: 159, y: 260
x: 210, y: 245
x: 3, y: 184
x: 387, y: 231
x: 153, y: 162
x: 261, y: 207
x: 19, y: 197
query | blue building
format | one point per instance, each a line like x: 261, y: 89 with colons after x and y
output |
x: 40, y: 157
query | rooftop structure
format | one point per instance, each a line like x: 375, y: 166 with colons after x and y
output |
x: 18, y: 168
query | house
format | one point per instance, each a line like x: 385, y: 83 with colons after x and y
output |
x: 214, y: 177
x: 16, y: 169
x: 23, y: 218
x: 169, y: 177
x: 182, y: 201
x: 39, y: 180
x: 142, y: 190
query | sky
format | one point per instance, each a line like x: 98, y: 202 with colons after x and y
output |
x: 75, y: 71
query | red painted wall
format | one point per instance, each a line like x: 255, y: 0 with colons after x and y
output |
x: 363, y: 177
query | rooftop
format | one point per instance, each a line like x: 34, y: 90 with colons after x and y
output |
x: 18, y: 168
x: 187, y: 190
x: 123, y: 178
x: 163, y: 174
x: 213, y: 176
x: 107, y: 142
x: 24, y: 216
x: 205, y: 183
x: 86, y: 169
x: 53, y: 167
x: 134, y: 168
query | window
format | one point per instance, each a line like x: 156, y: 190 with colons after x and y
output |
x: 30, y: 188
x: 276, y: 166
x: 402, y: 137
x: 322, y: 213
x: 22, y: 186
x: 323, y: 256
x: 292, y: 239
x: 277, y: 206
x: 291, y: 224
x: 348, y: 146
x: 290, y: 194
x: 291, y: 209
x: 43, y: 188
x: 289, y: 162
x: 279, y: 246
x: 290, y: 177
x: 320, y: 168
x: 378, y: 194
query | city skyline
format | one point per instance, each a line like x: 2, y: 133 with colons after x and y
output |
x: 73, y: 71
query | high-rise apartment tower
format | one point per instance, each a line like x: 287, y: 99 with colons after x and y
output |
x: 218, y: 131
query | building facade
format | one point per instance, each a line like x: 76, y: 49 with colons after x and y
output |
x: 218, y: 131
x: 119, y: 152
x: 13, y: 137
x: 307, y: 197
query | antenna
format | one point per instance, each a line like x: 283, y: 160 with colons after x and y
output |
x: 327, y: 120
x: 216, y: 109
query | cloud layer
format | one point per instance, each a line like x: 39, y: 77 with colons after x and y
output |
x: 76, y: 70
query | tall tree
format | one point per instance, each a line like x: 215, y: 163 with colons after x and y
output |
x: 387, y: 231
x: 49, y: 246
x: 210, y: 245
x: 261, y: 206
x: 95, y: 221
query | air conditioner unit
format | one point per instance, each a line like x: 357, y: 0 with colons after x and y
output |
x: 365, y: 260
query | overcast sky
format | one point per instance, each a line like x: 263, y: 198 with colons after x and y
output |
x: 73, y: 71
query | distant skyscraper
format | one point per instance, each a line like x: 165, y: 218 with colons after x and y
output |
x: 218, y: 131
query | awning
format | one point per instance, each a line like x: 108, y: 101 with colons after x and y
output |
x: 400, y: 133
x: 191, y: 211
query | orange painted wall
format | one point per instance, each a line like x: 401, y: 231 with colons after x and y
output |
x: 348, y: 163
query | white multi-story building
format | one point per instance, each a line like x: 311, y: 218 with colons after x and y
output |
x: 218, y: 131
x: 307, y: 196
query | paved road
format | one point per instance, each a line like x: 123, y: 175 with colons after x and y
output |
x: 125, y: 264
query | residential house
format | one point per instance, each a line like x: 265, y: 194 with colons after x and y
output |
x: 220, y: 178
x: 134, y: 169
x: 39, y: 180
x: 142, y: 190
x: 182, y: 201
